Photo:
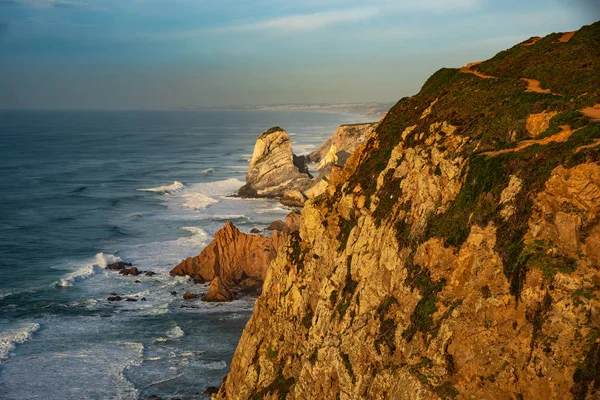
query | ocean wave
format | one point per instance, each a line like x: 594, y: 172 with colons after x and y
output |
x: 4, y: 294
x: 98, y: 264
x: 217, y: 188
x: 164, y: 380
x: 175, y: 186
x: 199, y: 233
x: 213, y: 365
x: 207, y: 171
x: 10, y: 338
x: 198, y: 201
x: 175, y: 333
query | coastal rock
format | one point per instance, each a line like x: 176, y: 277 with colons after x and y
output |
x: 254, y: 230
x: 345, y: 141
x: 444, y: 260
x: 133, y: 271
x: 274, y: 168
x: 130, y: 299
x: 150, y: 273
x: 218, y: 292
x: 232, y: 256
x: 114, y: 298
x: 118, y: 265
x: 189, y: 296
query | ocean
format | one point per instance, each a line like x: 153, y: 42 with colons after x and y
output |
x: 82, y: 189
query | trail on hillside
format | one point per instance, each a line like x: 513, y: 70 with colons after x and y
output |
x: 560, y: 137
x: 468, y: 70
x: 566, y: 37
x: 531, y: 41
x: 533, y: 85
x: 592, y: 112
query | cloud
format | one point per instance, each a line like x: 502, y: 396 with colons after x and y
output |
x: 65, y: 4
x: 304, y: 22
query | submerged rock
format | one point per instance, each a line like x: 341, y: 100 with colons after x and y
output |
x: 218, y: 292
x: 114, y: 298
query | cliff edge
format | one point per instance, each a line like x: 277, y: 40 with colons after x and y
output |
x: 456, y: 255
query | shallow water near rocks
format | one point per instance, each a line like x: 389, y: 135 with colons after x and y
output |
x: 84, y: 189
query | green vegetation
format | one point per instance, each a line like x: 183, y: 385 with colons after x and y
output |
x: 421, y: 319
x: 307, y: 319
x: 387, y: 326
x: 296, y: 254
x: 346, y: 226
x: 280, y: 385
x: 347, y: 291
x: 348, y: 365
x: 586, y: 373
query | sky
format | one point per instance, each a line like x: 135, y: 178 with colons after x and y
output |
x: 166, y: 54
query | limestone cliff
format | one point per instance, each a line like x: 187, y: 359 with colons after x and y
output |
x: 456, y: 255
x: 275, y: 171
x: 234, y: 256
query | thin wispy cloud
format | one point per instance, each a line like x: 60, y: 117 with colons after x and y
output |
x: 67, y: 4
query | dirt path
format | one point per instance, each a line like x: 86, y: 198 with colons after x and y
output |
x: 592, y: 112
x: 560, y: 137
x: 533, y: 85
x: 467, y: 70
x: 566, y: 37
x: 531, y: 41
x: 588, y: 146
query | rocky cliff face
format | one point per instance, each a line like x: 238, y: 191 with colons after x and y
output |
x: 275, y: 171
x: 456, y: 255
x: 234, y: 256
x: 345, y: 140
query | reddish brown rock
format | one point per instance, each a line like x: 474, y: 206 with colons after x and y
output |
x: 232, y: 255
x: 189, y: 296
x: 218, y: 292
x: 133, y: 271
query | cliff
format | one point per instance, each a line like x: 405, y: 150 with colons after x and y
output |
x: 456, y: 255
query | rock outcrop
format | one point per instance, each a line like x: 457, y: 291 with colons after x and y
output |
x: 234, y: 256
x: 275, y: 171
x: 218, y: 292
x: 438, y: 265
x: 345, y: 141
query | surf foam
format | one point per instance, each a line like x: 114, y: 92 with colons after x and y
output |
x: 12, y: 337
x: 175, y: 186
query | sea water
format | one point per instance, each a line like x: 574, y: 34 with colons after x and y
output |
x: 82, y: 189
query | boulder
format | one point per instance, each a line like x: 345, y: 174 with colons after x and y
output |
x: 218, y: 292
x: 274, y: 168
x: 118, y: 265
x: 189, y: 296
x: 133, y: 271
x: 150, y: 273
x: 255, y: 230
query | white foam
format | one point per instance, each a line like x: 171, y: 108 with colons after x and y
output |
x: 175, y: 333
x: 175, y: 186
x: 199, y: 233
x: 217, y: 188
x: 164, y: 380
x: 98, y: 264
x: 198, y: 201
x: 207, y: 171
x: 4, y: 294
x: 9, y: 339
x: 214, y: 365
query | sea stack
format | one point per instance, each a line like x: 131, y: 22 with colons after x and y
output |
x: 275, y: 171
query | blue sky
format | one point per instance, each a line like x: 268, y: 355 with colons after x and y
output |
x: 160, y: 54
